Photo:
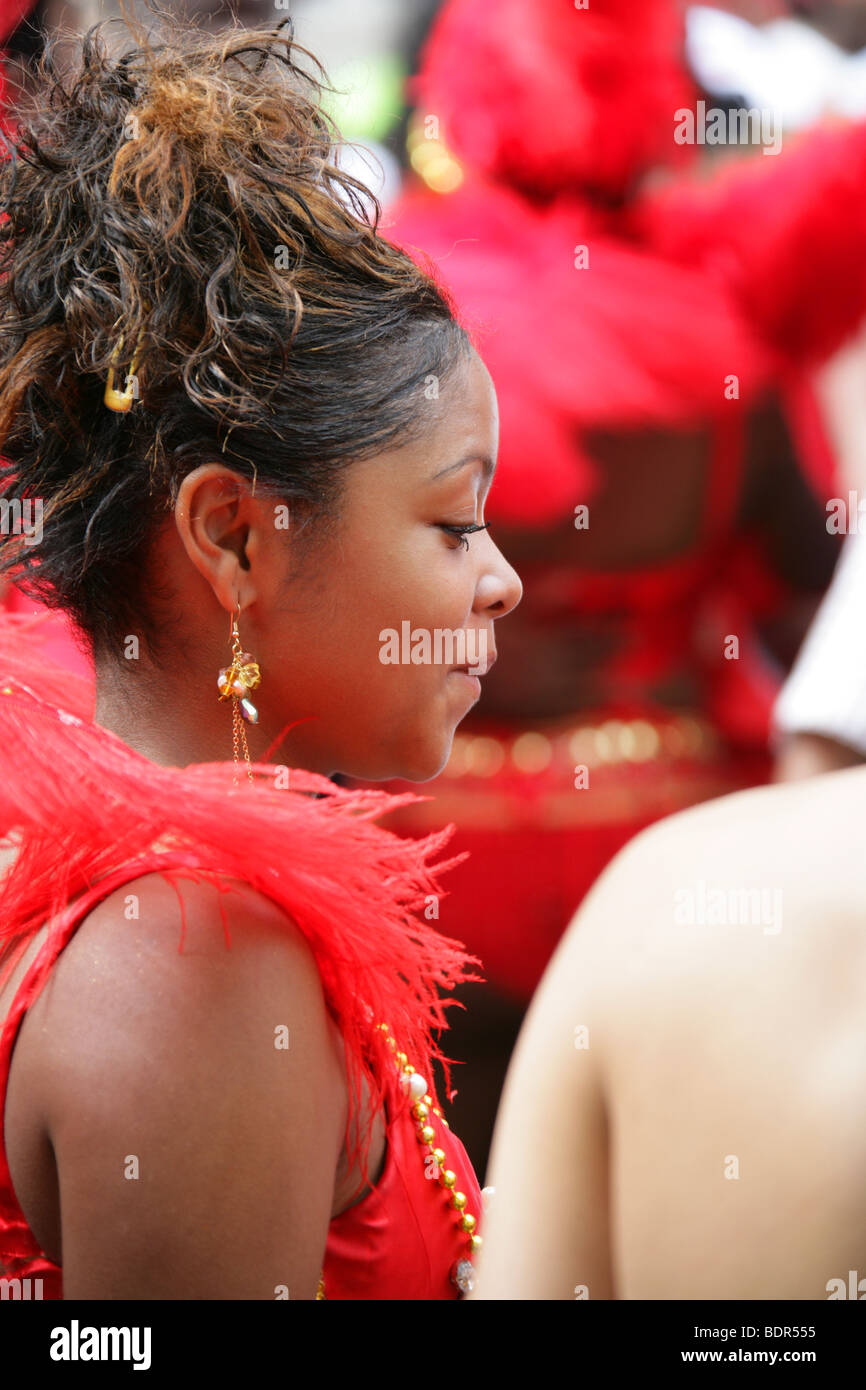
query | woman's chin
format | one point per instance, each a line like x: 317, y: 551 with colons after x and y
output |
x: 430, y: 758
x: 420, y: 764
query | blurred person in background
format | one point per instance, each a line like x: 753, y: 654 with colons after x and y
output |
x: 652, y: 326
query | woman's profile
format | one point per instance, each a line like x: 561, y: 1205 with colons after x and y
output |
x: 261, y: 441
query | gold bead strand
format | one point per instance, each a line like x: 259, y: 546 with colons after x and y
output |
x: 462, y: 1272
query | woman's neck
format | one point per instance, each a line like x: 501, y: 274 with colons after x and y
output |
x: 174, y: 721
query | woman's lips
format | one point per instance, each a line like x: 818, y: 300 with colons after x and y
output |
x: 473, y: 681
x: 470, y: 668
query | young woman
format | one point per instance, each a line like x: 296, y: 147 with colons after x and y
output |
x: 261, y: 442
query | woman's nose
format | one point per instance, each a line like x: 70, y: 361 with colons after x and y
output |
x: 500, y: 587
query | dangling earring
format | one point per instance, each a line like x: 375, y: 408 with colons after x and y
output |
x: 234, y: 683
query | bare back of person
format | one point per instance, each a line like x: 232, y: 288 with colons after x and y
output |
x: 687, y: 1101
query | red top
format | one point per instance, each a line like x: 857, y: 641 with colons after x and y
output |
x: 399, y: 1242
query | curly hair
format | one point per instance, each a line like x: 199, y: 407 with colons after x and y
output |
x: 186, y: 195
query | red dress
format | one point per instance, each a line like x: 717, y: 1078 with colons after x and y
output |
x: 350, y: 886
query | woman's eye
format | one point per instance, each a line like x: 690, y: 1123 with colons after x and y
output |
x: 461, y: 532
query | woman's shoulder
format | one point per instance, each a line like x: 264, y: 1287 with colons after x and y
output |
x: 172, y: 952
x: 706, y: 889
x: 755, y: 830
x: 183, y: 1032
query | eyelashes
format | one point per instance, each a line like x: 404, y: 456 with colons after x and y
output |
x: 463, y: 531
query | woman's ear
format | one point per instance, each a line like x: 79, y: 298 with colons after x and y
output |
x: 218, y: 522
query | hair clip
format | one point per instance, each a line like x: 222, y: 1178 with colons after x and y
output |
x: 122, y: 400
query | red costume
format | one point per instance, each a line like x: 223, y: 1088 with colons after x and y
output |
x: 350, y: 886
x: 601, y: 303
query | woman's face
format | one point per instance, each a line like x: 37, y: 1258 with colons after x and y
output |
x: 339, y: 643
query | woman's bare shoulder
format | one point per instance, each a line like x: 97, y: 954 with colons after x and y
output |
x: 213, y: 1071
x: 750, y: 830
x: 161, y: 952
x: 711, y: 886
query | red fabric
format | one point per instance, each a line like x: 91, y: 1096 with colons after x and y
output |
x: 352, y: 887
x: 629, y: 342
x: 641, y: 318
x: 53, y: 633
x: 550, y: 96
x: 399, y: 1242
x: 783, y: 233
x: 11, y: 14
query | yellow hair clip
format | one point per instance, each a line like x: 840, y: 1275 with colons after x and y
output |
x: 122, y: 400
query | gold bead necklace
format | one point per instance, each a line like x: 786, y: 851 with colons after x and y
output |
x: 462, y: 1271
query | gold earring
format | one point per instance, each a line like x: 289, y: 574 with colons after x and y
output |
x: 235, y: 683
